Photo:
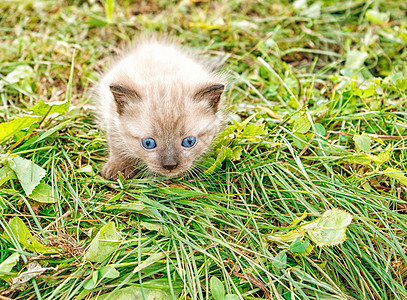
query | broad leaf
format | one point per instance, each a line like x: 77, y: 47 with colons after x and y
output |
x: 7, y: 130
x: 298, y: 247
x: 43, y: 193
x: 42, y: 108
x: 355, y: 59
x: 217, y: 289
x: 28, y: 173
x: 7, y: 265
x: 108, y: 272
x: 135, y: 293
x: 280, y: 260
x: 362, y: 142
x: 302, y: 125
x: 104, y: 243
x: 330, y: 229
x: 232, y: 297
x: 23, y: 236
x: 396, y: 174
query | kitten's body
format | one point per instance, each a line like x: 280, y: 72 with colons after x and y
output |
x: 158, y: 92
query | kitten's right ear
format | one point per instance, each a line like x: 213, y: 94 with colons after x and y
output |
x: 212, y: 95
x: 123, y: 96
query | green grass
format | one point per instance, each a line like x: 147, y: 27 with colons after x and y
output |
x: 176, y: 235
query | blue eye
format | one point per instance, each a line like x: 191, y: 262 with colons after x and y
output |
x: 188, y: 142
x: 148, y: 143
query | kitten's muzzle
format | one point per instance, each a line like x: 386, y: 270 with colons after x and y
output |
x: 169, y: 163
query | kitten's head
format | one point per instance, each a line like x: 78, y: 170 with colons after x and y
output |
x: 168, y: 127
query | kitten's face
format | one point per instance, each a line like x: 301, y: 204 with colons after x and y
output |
x: 170, y: 134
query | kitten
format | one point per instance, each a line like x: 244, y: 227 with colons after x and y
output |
x: 160, y: 106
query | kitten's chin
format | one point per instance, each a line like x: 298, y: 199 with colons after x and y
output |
x: 167, y: 173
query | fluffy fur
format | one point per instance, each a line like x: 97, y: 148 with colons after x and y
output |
x: 158, y: 90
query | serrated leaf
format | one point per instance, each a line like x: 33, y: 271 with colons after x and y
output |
x: 42, y: 108
x: 396, y: 174
x: 7, y: 265
x: 135, y: 293
x: 23, y: 236
x: 104, y: 243
x: 355, y: 59
x: 217, y: 289
x: 362, y: 142
x: 377, y: 17
x: 7, y: 130
x: 43, y: 193
x: 28, y: 173
x: 302, y: 125
x: 330, y: 229
x: 252, y: 133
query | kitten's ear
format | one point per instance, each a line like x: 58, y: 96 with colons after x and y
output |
x: 123, y: 96
x: 211, y: 94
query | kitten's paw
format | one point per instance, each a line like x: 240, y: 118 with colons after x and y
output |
x: 112, y: 170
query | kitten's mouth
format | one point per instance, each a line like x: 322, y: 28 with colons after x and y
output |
x: 167, y: 173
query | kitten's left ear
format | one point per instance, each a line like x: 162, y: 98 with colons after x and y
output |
x: 211, y: 94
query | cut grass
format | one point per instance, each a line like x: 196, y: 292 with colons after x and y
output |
x: 178, y: 234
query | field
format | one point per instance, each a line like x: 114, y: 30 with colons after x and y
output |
x: 302, y: 197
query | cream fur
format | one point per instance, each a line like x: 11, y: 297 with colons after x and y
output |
x: 167, y: 78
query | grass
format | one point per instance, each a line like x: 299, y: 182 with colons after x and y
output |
x: 325, y: 86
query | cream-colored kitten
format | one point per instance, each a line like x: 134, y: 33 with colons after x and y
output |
x: 159, y: 105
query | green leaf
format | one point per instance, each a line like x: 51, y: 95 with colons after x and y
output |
x: 91, y: 282
x: 320, y: 129
x: 28, y: 173
x: 360, y: 159
x: 362, y: 142
x: 7, y: 265
x: 104, y: 243
x: 298, y: 140
x: 42, y: 108
x: 355, y: 59
x: 252, y: 133
x: 330, y: 229
x: 24, y: 237
x: 217, y: 289
x: 108, y: 272
x: 86, y: 170
x: 302, y: 125
x: 231, y: 297
x: 224, y: 153
x: 280, y: 260
x: 396, y: 174
x: 7, y: 130
x: 135, y: 293
x: 377, y: 17
x: 298, y: 247
x: 43, y: 193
